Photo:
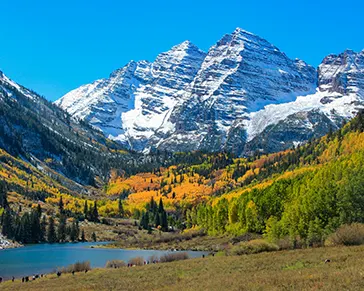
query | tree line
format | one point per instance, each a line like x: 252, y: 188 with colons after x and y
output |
x: 35, y: 227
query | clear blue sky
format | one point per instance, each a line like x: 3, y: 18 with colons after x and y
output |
x: 55, y: 46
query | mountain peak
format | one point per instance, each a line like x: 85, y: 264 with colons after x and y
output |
x: 185, y: 46
x: 349, y: 52
x: 239, y: 30
x: 130, y: 66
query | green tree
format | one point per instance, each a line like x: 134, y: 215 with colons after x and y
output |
x: 61, y: 230
x: 61, y: 206
x: 160, y: 207
x: 85, y: 210
x: 120, y: 208
x: 95, y: 213
x: 83, y: 239
x: 157, y: 220
x: 7, y: 221
x: 34, y: 226
x: 144, y: 221
x: 3, y: 195
x: 74, y: 231
x: 51, y: 232
x: 39, y: 211
x: 43, y: 229
x: 164, y: 221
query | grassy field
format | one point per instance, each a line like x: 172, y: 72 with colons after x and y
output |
x: 284, y: 270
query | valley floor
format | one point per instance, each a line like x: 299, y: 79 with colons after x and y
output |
x: 285, y: 270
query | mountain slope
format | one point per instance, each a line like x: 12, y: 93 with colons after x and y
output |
x: 135, y: 100
x: 243, y: 95
x: 40, y: 132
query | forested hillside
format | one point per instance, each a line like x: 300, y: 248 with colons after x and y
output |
x: 40, y: 132
x: 303, y: 193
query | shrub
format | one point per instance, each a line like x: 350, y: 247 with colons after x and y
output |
x: 284, y: 243
x: 115, y: 264
x: 248, y: 236
x: 173, y: 257
x: 185, y: 236
x: 153, y: 258
x: 347, y: 235
x: 77, y: 267
x: 138, y: 261
x: 252, y: 247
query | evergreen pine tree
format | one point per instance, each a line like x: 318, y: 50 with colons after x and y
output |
x: 157, y: 220
x: 161, y: 207
x: 7, y: 221
x: 121, y: 208
x: 68, y: 231
x: 39, y: 210
x: 43, y: 229
x: 77, y: 229
x: 162, y: 216
x: 18, y: 229
x: 142, y: 221
x: 164, y: 221
x: 3, y: 195
x: 61, y: 230
x: 83, y: 239
x: 152, y: 205
x: 61, y: 206
x: 95, y: 213
x: 73, y: 232
x: 51, y: 232
x: 35, y: 231
x: 26, y: 230
x: 85, y: 210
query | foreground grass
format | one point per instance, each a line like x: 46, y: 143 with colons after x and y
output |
x: 284, y: 270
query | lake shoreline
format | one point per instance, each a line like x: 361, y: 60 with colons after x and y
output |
x: 37, y: 259
x: 6, y: 244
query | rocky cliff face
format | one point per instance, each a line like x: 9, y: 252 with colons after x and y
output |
x: 343, y: 73
x: 243, y: 95
x: 240, y: 74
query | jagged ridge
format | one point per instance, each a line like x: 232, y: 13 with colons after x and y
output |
x: 243, y: 95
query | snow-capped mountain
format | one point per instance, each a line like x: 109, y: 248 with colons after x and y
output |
x: 243, y: 95
x: 134, y: 101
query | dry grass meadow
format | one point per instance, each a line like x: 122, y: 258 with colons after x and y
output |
x: 283, y: 270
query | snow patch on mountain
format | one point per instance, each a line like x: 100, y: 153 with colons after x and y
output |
x: 344, y: 106
x: 4, y: 79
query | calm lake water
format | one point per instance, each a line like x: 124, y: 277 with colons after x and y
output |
x: 45, y: 258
